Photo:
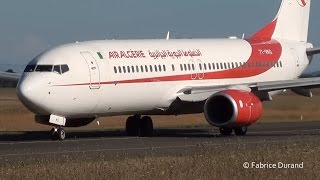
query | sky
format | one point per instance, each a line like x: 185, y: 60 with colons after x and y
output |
x: 30, y: 27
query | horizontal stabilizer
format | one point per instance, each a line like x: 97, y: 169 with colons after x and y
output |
x: 313, y: 51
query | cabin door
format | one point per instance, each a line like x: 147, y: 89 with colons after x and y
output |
x: 94, y: 71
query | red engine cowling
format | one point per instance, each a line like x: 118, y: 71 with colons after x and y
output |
x: 233, y: 108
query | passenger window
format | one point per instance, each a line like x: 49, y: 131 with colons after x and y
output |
x: 132, y: 68
x: 57, y: 69
x: 280, y: 64
x: 164, y: 68
x: 200, y: 66
x: 151, y: 68
x: 209, y: 65
x: 232, y: 65
x: 146, y: 68
x: 218, y: 66
x: 193, y: 68
x: 155, y: 68
x: 64, y: 68
x: 119, y: 68
x: 114, y: 68
x: 160, y: 69
x: 128, y: 69
x: 137, y: 68
x: 205, y: 66
x: 185, y: 67
x: 229, y: 66
x: 181, y: 67
x: 173, y: 69
x: 30, y: 68
x: 141, y: 68
x: 189, y: 67
x: 124, y: 69
x: 221, y: 65
x: 213, y: 66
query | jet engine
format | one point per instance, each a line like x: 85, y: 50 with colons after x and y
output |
x: 233, y: 108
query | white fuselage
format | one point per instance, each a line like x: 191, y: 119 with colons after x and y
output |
x: 108, y: 78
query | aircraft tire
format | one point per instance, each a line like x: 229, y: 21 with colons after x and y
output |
x: 241, y: 131
x: 132, y: 126
x: 61, y: 134
x: 54, y: 134
x: 146, y: 127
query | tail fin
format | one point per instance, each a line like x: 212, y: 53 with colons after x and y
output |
x: 291, y: 23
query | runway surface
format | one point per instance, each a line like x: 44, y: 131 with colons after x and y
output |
x: 19, y: 144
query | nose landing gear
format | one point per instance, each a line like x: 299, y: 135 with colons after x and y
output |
x: 58, y: 133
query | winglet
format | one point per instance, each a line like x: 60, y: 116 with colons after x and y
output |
x: 168, y: 35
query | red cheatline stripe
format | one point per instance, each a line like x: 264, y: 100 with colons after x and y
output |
x: 271, y: 57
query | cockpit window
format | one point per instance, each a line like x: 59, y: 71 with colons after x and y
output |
x: 64, y: 68
x: 57, y: 69
x: 60, y: 69
x: 44, y: 68
x: 30, y: 68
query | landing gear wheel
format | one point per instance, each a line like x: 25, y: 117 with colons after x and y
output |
x: 146, y: 127
x: 225, y: 131
x: 61, y: 134
x: 54, y: 134
x: 132, y: 126
x: 58, y: 134
x: 241, y: 131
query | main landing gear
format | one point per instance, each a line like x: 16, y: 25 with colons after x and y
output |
x: 137, y: 126
x: 239, y: 131
x: 58, y: 133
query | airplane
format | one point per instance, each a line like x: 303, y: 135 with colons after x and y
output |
x: 225, y: 79
x: 9, y: 76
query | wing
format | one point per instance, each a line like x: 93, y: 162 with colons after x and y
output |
x: 261, y: 89
x: 9, y: 76
x: 313, y: 51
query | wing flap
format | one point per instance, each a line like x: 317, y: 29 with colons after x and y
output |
x: 261, y: 89
x: 307, y: 83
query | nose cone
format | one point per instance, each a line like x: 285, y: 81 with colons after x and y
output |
x: 29, y: 93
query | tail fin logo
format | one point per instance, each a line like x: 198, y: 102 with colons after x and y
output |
x: 303, y: 3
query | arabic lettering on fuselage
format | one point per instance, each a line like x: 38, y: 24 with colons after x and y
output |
x: 156, y: 54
